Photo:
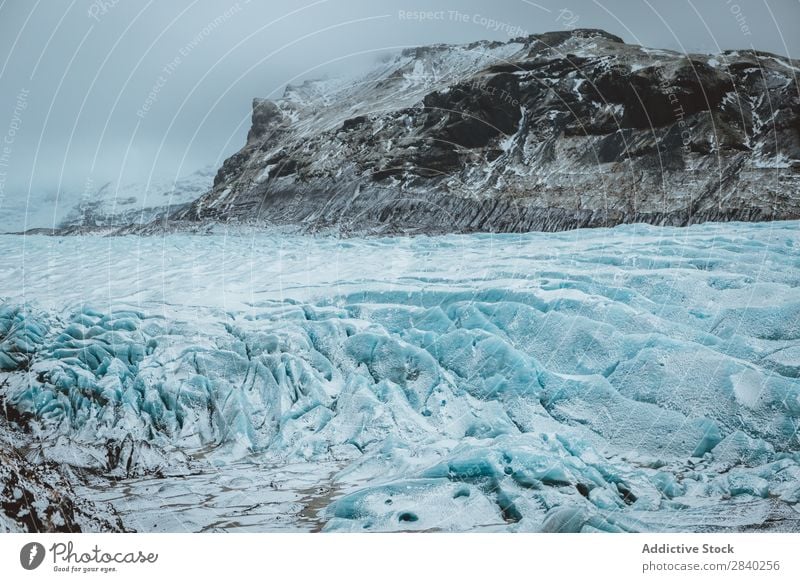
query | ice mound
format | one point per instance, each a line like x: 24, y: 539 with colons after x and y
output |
x: 20, y: 336
x: 621, y: 380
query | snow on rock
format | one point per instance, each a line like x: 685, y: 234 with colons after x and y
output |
x: 552, y: 131
x: 36, y: 497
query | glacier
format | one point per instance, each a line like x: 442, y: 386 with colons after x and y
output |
x: 637, y: 378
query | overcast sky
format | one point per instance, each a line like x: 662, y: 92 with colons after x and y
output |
x: 75, y: 75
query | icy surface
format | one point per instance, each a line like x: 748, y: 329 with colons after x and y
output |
x: 630, y: 379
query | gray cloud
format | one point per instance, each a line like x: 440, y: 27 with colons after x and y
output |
x: 127, y: 89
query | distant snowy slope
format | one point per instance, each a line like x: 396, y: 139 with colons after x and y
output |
x: 103, y: 205
x: 138, y: 203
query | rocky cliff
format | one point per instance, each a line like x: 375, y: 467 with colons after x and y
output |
x: 547, y: 132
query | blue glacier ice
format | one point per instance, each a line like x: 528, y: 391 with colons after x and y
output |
x: 630, y: 379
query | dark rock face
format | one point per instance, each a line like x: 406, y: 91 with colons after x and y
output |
x: 37, y: 497
x: 549, y: 132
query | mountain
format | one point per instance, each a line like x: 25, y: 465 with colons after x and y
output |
x: 137, y: 203
x: 548, y: 132
x: 106, y: 206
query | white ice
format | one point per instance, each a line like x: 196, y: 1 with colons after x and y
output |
x: 620, y: 379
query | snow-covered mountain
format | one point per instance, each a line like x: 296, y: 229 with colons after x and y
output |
x: 107, y: 205
x: 546, y: 132
x: 137, y: 203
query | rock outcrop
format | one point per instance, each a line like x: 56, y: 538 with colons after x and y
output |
x: 548, y: 132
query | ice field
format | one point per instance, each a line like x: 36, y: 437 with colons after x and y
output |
x: 630, y: 379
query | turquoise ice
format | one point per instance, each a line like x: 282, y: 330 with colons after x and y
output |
x: 630, y: 379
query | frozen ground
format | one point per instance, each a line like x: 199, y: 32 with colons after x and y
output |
x: 637, y: 378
